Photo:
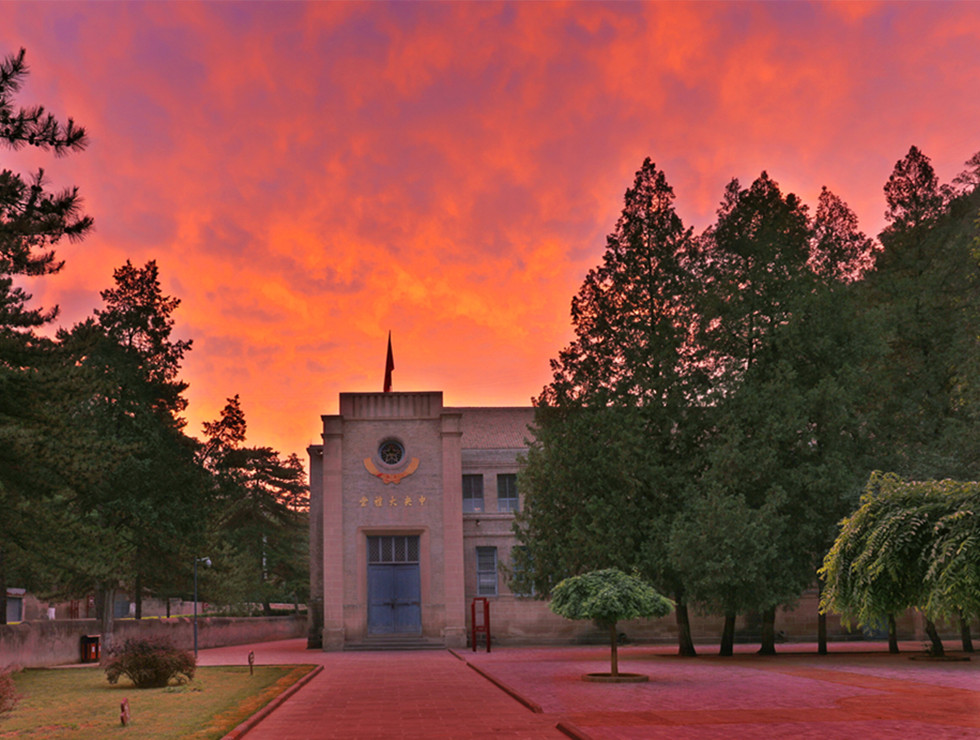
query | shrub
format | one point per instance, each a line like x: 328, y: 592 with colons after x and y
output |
x: 149, y: 663
x: 8, y: 692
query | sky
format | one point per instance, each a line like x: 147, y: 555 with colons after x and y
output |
x: 309, y: 176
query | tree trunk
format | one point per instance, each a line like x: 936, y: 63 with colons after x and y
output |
x: 936, y: 648
x: 768, y: 632
x: 821, y: 633
x: 728, y: 635
x: 614, y: 654
x: 314, y: 638
x: 3, y: 591
x: 105, y: 597
x: 892, y: 635
x: 138, y: 597
x: 964, y: 633
x: 685, y: 645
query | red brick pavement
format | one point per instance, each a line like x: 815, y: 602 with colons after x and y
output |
x: 422, y: 694
x: 847, y: 695
x: 792, y: 695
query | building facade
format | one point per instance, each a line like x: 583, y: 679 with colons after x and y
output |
x: 411, y: 506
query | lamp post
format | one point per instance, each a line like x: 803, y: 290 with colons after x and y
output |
x: 207, y: 564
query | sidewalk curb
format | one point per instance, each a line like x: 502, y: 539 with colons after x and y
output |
x: 572, y: 731
x: 265, y: 711
x: 533, y: 706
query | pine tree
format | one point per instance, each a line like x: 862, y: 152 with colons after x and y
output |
x: 788, y: 350
x: 150, y: 493
x: 624, y: 402
x: 924, y: 291
x: 33, y: 221
x: 259, y: 522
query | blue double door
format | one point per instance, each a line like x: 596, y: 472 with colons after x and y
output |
x: 394, y: 589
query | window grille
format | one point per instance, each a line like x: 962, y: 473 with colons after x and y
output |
x: 486, y: 571
x: 472, y: 494
x: 393, y: 549
x: 507, y: 492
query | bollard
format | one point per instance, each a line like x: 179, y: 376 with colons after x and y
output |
x: 251, y: 662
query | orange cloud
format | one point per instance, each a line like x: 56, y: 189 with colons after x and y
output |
x: 309, y: 176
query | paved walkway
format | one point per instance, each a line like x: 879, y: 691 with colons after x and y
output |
x: 423, y: 694
x: 847, y: 694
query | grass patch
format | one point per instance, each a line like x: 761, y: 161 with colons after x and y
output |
x: 80, y: 703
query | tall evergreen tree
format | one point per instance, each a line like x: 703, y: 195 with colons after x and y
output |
x: 260, y: 518
x: 150, y: 497
x: 788, y: 351
x: 33, y: 221
x: 632, y: 383
x: 925, y: 291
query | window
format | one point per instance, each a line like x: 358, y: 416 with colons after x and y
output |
x: 486, y: 571
x: 472, y: 494
x: 391, y: 452
x: 507, y: 492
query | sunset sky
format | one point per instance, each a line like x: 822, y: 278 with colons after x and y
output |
x: 310, y: 175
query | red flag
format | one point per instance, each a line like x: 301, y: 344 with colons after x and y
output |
x: 389, y: 366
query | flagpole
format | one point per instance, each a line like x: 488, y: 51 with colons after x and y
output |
x: 389, y: 366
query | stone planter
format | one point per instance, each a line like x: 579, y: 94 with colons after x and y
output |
x: 619, y: 678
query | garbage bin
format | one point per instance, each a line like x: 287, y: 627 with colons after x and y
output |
x: 90, y: 648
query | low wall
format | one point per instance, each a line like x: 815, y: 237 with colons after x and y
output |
x: 57, y: 642
x: 517, y: 621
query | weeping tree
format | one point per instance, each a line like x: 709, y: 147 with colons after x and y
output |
x: 606, y: 597
x: 910, y: 544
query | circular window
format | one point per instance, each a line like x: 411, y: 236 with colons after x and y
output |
x: 391, y: 452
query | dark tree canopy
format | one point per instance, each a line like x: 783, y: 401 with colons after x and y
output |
x: 912, y: 192
x: 33, y: 386
x: 32, y: 219
x: 632, y: 314
x: 139, y: 318
x: 924, y: 295
x: 259, y: 523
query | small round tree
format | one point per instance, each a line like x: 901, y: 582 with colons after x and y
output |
x: 606, y: 597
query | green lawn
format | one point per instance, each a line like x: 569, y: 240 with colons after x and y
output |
x: 80, y: 703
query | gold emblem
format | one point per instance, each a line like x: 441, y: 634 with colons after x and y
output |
x: 387, y: 478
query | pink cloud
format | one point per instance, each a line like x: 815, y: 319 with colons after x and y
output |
x: 310, y: 175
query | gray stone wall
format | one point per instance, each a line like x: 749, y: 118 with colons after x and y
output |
x: 58, y: 642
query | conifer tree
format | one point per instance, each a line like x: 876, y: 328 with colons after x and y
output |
x: 33, y: 220
x: 924, y: 290
x: 788, y: 349
x: 259, y: 521
x: 624, y: 402
x: 150, y: 493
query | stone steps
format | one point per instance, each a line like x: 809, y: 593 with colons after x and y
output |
x: 394, y: 642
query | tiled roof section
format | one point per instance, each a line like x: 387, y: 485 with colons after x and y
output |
x: 501, y: 428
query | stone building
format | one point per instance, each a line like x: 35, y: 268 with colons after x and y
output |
x: 411, y: 508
